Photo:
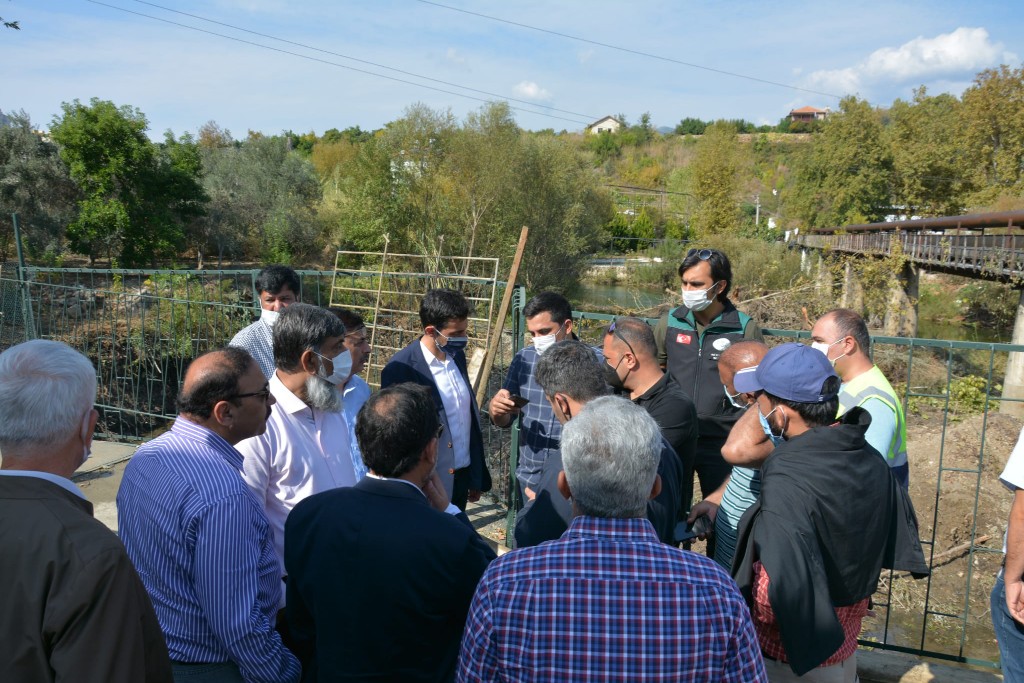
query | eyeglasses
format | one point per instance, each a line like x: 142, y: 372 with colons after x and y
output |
x: 440, y: 431
x: 264, y: 395
x: 702, y: 254
x: 617, y: 335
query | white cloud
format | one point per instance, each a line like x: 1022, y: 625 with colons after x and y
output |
x: 959, y: 53
x: 452, y: 55
x: 531, y: 91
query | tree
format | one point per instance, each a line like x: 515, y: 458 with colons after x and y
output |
x: 136, y: 197
x: 992, y: 125
x: 927, y: 154
x: 212, y: 136
x: 715, y: 180
x: 843, y: 177
x: 691, y: 126
x: 35, y: 184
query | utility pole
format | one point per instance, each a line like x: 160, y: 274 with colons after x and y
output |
x: 757, y: 210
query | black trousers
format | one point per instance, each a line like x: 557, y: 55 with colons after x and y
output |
x: 460, y: 488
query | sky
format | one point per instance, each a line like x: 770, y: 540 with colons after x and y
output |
x: 709, y: 59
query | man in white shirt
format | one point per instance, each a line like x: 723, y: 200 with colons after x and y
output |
x: 1008, y: 593
x: 305, y: 449
x: 355, y: 391
x: 277, y: 287
x: 438, y: 360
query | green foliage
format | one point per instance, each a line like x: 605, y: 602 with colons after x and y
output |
x: 691, y: 126
x: 968, y: 394
x: 992, y: 134
x: 605, y: 146
x: 138, y: 197
x: 715, y: 181
x: 993, y: 304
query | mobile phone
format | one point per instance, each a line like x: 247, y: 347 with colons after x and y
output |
x: 519, y: 401
x: 701, y: 525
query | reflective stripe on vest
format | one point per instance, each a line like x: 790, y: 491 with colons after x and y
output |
x: 873, y: 384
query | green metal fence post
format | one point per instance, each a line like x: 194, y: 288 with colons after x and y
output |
x: 512, y: 498
x: 26, y: 298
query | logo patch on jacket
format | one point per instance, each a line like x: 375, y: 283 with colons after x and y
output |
x: 683, y: 338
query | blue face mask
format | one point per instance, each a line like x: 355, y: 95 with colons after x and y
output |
x: 453, y: 344
x: 732, y: 399
x: 776, y: 440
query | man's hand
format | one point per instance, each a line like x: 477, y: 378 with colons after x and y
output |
x: 435, y: 493
x: 705, y: 507
x: 1015, y: 599
x: 529, y: 493
x: 474, y: 496
x: 502, y: 409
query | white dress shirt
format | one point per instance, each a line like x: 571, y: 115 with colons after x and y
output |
x: 450, y: 510
x: 303, y: 451
x: 457, y: 400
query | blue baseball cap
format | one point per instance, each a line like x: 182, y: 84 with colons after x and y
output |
x: 793, y: 372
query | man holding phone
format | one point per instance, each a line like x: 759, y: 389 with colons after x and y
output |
x: 549, y: 321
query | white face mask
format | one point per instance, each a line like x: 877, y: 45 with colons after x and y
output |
x: 697, y: 299
x: 269, y: 317
x: 545, y: 342
x: 823, y: 347
x: 342, y: 368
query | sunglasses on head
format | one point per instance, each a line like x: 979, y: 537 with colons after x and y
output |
x: 618, y: 335
x: 702, y: 254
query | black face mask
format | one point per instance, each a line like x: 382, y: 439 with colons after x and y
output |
x: 611, y: 377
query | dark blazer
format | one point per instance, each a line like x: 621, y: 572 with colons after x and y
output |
x: 408, y: 365
x: 379, y: 583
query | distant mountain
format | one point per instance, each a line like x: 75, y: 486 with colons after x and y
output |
x: 5, y: 120
x: 665, y: 130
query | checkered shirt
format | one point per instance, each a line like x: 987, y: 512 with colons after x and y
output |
x: 607, y: 601
x: 258, y: 340
x: 770, y: 638
x: 540, y: 431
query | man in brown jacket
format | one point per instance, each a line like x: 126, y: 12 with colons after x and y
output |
x: 73, y: 606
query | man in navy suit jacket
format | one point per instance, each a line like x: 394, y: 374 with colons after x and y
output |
x: 381, y: 574
x: 437, y: 360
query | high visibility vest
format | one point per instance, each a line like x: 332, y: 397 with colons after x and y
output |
x: 873, y: 384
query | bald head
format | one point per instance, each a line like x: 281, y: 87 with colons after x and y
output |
x: 744, y: 354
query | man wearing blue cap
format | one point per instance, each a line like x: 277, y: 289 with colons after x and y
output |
x: 830, y: 517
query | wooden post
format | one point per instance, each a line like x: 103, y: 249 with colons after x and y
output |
x: 499, y: 325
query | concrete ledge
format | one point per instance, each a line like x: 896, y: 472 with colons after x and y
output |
x: 105, y: 454
x: 881, y: 666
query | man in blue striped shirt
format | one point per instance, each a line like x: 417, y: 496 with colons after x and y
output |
x: 199, y: 538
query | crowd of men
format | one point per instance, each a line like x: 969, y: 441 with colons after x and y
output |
x: 292, y: 525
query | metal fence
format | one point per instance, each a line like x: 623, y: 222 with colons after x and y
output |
x: 141, y: 328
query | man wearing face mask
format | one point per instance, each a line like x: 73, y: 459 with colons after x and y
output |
x: 549, y: 321
x: 691, y: 339
x: 305, y: 449
x: 277, y: 287
x: 438, y: 360
x: 354, y: 391
x: 842, y: 335
x: 829, y: 518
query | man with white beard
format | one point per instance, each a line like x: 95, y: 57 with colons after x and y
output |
x: 305, y: 449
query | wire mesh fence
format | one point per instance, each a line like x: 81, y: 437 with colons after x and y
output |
x: 141, y: 328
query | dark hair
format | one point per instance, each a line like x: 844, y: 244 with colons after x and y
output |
x: 349, y: 318
x: 850, y: 324
x: 554, y: 303
x: 571, y: 367
x: 636, y: 333
x: 273, y: 279
x: 301, y: 327
x: 394, y: 426
x: 721, y: 269
x: 219, y: 383
x: 814, y: 414
x: 440, y: 306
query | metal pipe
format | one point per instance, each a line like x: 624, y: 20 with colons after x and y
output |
x: 1003, y: 219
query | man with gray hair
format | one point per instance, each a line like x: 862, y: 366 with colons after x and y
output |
x: 571, y: 376
x: 74, y: 607
x: 306, y: 448
x: 608, y: 601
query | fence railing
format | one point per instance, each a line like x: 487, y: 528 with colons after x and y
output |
x: 141, y: 328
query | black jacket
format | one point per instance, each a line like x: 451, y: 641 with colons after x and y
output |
x: 830, y: 517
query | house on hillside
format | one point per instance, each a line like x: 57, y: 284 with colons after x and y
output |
x: 609, y: 124
x: 808, y: 114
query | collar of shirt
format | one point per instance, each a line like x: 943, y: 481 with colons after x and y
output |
x: 450, y: 510
x: 655, y: 389
x: 60, y: 481
x: 289, y: 402
x: 187, y: 429
x: 431, y: 358
x: 633, y: 530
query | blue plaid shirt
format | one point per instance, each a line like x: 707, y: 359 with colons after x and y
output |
x: 540, y: 430
x: 608, y: 602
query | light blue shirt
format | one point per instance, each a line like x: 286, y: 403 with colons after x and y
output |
x: 60, y: 481
x: 356, y: 393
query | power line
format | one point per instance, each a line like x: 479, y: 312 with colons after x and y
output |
x: 330, y: 63
x: 629, y: 50
x: 363, y: 61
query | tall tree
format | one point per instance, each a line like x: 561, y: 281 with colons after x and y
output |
x: 992, y: 119
x: 927, y: 155
x: 843, y: 177
x: 715, y: 180
x: 137, y: 197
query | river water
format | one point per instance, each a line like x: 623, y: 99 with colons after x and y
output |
x: 590, y: 296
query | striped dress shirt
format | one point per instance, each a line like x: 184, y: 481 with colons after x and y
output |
x: 608, y: 602
x: 205, y: 552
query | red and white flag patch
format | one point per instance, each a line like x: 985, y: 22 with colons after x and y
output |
x: 683, y: 338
